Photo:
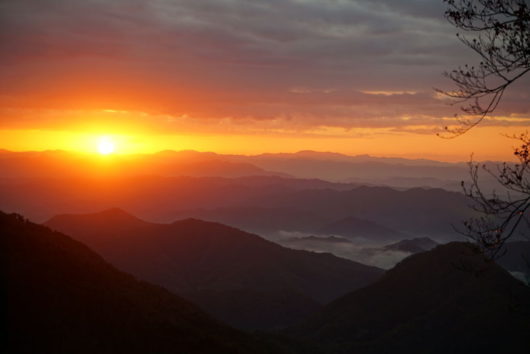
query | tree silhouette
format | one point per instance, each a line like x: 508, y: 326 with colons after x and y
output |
x: 501, y: 217
x: 499, y: 32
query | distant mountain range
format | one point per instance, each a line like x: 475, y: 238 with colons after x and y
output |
x: 265, y: 205
x: 64, y: 298
x: 50, y: 164
x: 362, y: 169
x: 239, y: 277
x: 447, y: 300
x: 152, y: 197
x: 257, y: 194
x: 416, y: 212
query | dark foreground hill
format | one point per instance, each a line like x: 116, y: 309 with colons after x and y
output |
x: 238, y: 277
x: 64, y: 298
x: 447, y: 300
x: 516, y: 258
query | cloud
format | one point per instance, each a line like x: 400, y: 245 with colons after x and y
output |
x: 294, y: 64
x: 359, y: 250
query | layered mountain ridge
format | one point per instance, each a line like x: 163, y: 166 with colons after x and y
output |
x: 244, y: 280
x: 64, y: 298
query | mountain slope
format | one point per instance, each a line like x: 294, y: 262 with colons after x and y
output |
x: 364, y: 169
x: 447, y: 300
x: 414, y: 245
x: 64, y: 298
x: 352, y: 227
x: 397, y: 210
x: 259, y: 220
x: 516, y: 258
x: 154, y: 197
x: 239, y: 277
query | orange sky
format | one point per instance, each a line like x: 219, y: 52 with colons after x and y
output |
x: 486, y: 143
x: 240, y: 78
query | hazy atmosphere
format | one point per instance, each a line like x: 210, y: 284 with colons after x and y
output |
x: 236, y: 76
x: 265, y: 176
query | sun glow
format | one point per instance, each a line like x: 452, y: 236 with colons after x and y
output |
x: 105, y: 145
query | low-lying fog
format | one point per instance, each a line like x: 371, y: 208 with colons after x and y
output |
x: 384, y: 254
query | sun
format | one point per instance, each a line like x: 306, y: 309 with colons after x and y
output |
x: 105, y: 145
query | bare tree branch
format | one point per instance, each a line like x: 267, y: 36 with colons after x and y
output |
x: 501, y: 218
x: 499, y: 32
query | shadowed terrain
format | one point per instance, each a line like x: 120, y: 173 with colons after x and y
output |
x: 447, y: 300
x: 244, y: 280
x: 64, y: 298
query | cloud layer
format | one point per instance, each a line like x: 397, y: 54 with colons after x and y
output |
x: 291, y: 65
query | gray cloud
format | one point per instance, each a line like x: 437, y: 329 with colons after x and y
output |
x: 235, y: 58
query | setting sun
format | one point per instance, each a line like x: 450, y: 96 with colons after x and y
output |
x: 176, y: 176
x: 105, y: 145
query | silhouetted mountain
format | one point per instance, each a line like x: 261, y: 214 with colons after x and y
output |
x: 414, y: 245
x: 160, y: 198
x: 334, y: 156
x: 516, y: 258
x: 369, y: 170
x: 260, y: 220
x: 368, y: 212
x: 64, y: 298
x: 417, y: 212
x: 239, y: 277
x: 319, y: 239
x: 167, y: 163
x: 410, y: 182
x: 447, y: 300
x: 262, y: 204
x: 362, y: 168
x: 265, y: 205
x: 352, y: 227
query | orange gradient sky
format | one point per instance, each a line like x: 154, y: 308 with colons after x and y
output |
x: 240, y: 77
x: 483, y: 143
